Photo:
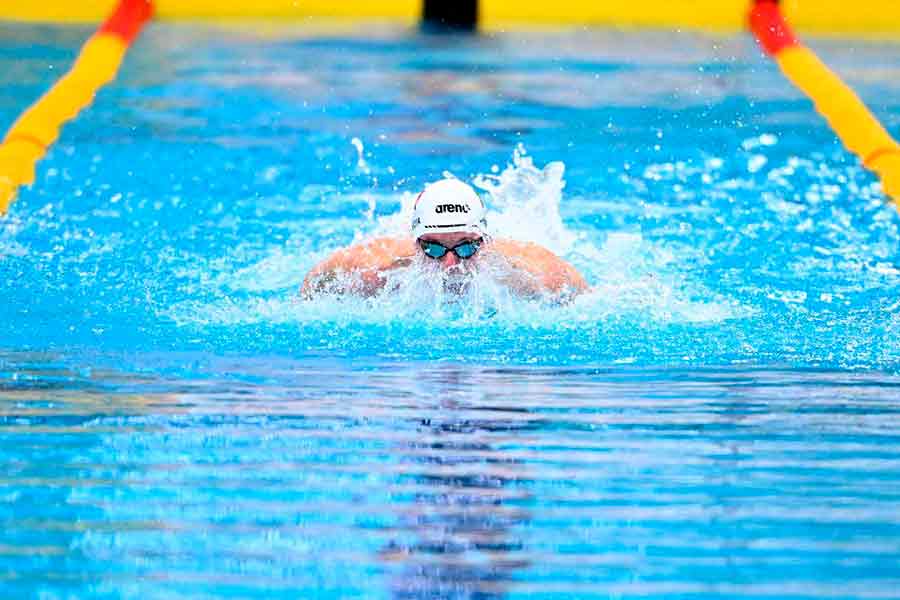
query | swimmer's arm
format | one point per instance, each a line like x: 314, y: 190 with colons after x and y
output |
x: 540, y: 270
x: 362, y: 264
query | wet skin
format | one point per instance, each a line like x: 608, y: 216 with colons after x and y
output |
x: 527, y: 269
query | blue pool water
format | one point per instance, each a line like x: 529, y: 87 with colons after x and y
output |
x: 717, y: 419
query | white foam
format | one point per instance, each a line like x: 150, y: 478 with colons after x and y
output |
x: 630, y: 276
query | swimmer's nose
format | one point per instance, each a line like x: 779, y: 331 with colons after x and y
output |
x: 450, y: 259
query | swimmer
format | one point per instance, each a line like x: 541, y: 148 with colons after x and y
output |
x: 449, y: 230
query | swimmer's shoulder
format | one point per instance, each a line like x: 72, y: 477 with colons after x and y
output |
x: 526, y: 250
x: 367, y: 254
x: 556, y: 273
x: 366, y: 260
x: 394, y: 246
x: 362, y: 254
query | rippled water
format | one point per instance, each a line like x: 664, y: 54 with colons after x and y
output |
x: 411, y: 480
x: 716, y: 419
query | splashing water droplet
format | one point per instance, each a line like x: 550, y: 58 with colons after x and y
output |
x: 361, y: 163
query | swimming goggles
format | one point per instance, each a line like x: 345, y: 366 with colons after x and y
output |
x: 463, y: 251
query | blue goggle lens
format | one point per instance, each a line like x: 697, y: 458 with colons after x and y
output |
x: 463, y: 251
x: 433, y: 249
x: 466, y: 249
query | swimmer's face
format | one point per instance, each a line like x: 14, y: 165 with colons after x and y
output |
x: 450, y: 260
x: 456, y: 272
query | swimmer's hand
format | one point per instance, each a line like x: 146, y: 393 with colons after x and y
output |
x: 359, y: 269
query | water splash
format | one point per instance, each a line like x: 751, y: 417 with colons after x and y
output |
x: 525, y: 202
x: 630, y: 276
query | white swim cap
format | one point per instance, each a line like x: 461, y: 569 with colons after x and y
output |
x: 448, y: 206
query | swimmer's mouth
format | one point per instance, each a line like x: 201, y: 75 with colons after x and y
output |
x: 457, y: 283
x: 456, y: 288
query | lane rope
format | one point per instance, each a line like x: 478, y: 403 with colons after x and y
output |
x: 879, y: 18
x: 36, y: 130
x: 854, y: 124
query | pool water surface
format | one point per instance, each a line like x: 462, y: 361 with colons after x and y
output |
x: 717, y: 418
